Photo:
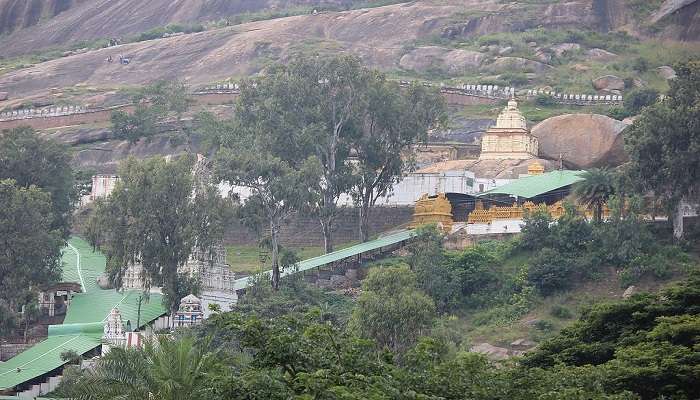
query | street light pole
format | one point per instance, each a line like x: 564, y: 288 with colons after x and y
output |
x: 138, y: 313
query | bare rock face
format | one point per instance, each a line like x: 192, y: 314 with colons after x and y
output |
x: 492, y: 352
x: 523, y: 344
x: 562, y: 48
x: 583, y: 140
x: 454, y: 62
x: 600, y: 55
x: 517, y: 64
x: 668, y: 8
x: 3, y: 96
x: 629, y: 292
x: 608, y: 83
x: 459, y: 61
x: 422, y: 58
x: 666, y: 72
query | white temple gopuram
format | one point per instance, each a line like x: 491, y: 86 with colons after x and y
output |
x: 510, y: 139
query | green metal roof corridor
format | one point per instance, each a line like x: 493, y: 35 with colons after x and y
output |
x: 347, y: 252
x: 81, y: 330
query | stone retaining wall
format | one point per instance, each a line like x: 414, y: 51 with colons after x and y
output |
x: 302, y: 231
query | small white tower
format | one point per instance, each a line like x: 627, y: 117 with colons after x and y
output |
x: 114, y: 335
x: 190, y: 312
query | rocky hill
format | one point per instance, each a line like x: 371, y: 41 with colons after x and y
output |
x: 39, y: 24
x: 390, y: 37
x: 570, y: 46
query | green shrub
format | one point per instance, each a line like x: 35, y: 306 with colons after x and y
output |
x: 514, y: 78
x: 545, y: 100
x: 544, y: 325
x: 550, y: 271
x: 640, y: 65
x: 637, y: 99
x: 561, y: 312
x: 658, y: 264
x: 617, y: 112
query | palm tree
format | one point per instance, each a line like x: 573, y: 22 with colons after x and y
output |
x: 595, y: 189
x: 164, y: 369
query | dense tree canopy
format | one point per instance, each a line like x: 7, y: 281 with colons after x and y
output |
x: 156, y: 216
x: 390, y: 306
x: 664, y: 142
x: 648, y: 344
x: 30, y: 160
x: 30, y: 255
x: 154, y: 104
x: 355, y: 124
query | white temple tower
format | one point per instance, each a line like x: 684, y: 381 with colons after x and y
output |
x: 510, y: 139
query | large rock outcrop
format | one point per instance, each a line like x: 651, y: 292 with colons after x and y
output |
x: 454, y: 62
x: 517, y: 64
x: 668, y: 8
x: 609, y: 83
x: 582, y: 140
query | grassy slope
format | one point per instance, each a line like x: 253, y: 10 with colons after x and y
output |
x: 545, y: 317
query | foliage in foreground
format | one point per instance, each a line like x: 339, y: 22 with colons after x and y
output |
x: 642, y: 348
x: 649, y: 344
x: 164, y: 369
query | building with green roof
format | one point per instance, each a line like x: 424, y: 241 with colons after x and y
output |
x: 547, y: 188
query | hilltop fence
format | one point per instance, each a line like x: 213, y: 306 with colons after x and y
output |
x: 577, y: 99
x: 222, y: 93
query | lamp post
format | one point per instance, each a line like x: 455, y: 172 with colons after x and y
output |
x: 138, y: 312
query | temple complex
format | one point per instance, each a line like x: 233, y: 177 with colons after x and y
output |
x: 510, y: 138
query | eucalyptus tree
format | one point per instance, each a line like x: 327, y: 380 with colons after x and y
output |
x: 158, y: 102
x: 310, y: 107
x: 276, y: 188
x: 664, y: 142
x: 392, y: 122
x: 156, y: 215
x: 259, y: 150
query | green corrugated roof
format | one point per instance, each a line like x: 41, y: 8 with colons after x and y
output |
x: 43, y: 357
x: 534, y: 185
x: 339, y: 255
x: 83, y: 326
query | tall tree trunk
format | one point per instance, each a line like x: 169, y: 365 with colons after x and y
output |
x: 274, y: 241
x: 327, y: 228
x: 364, y: 221
x: 678, y: 221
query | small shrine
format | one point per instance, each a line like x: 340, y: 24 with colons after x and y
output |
x: 189, y: 313
x: 433, y: 210
x: 510, y: 139
x: 55, y: 299
x: 114, y: 332
x: 535, y: 168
